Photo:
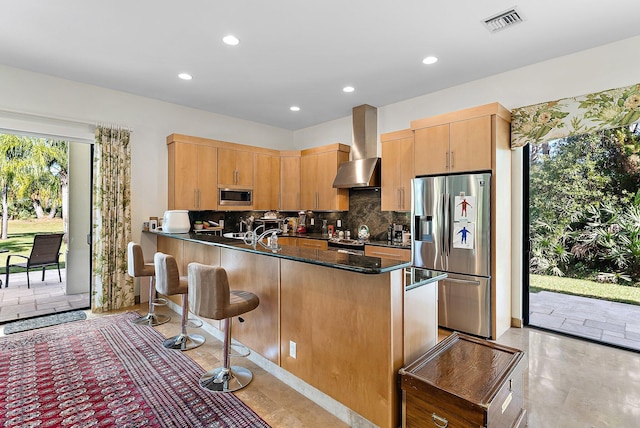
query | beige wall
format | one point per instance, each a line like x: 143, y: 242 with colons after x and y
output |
x: 56, y: 106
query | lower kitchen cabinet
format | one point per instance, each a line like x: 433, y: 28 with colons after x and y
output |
x: 464, y: 382
x: 288, y: 241
x: 387, y: 252
x: 318, y: 244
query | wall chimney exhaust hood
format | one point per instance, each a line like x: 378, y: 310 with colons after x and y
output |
x: 364, y: 169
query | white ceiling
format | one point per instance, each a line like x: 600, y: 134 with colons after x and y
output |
x: 295, y: 52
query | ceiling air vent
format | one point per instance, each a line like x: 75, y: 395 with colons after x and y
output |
x: 503, y: 20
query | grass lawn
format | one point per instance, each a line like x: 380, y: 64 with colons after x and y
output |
x: 581, y: 287
x: 20, y: 239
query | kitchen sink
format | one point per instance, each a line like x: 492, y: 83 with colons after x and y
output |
x: 234, y: 235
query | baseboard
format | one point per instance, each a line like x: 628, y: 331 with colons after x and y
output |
x: 515, y: 322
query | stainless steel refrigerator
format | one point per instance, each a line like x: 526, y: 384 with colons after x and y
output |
x: 451, y: 232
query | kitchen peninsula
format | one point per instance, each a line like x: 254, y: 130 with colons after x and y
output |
x: 339, y: 322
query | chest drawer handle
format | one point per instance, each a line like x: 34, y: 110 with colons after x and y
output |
x: 439, y: 421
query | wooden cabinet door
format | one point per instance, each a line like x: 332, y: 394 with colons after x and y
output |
x: 226, y: 167
x: 290, y: 183
x: 405, y: 169
x: 470, y: 144
x: 432, y: 150
x: 207, y: 165
x: 397, y: 172
x: 308, y: 182
x: 235, y: 168
x: 183, y: 176
x: 330, y: 199
x: 244, y: 169
x: 267, y: 182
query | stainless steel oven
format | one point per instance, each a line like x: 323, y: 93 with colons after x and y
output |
x: 235, y: 197
x: 348, y: 246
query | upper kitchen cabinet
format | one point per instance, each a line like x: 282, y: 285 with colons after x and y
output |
x: 319, y: 167
x: 235, y: 168
x: 461, y: 141
x: 397, y: 170
x: 192, y: 177
x: 266, y: 187
x: 197, y: 166
x: 290, y: 181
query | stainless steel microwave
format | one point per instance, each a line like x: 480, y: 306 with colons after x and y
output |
x: 235, y: 197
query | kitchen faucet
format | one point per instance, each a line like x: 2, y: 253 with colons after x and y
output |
x: 252, y: 238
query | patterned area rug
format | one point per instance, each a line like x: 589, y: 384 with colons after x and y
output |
x: 107, y: 372
x: 44, y: 321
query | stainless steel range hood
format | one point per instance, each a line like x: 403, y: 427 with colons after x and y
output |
x: 364, y: 168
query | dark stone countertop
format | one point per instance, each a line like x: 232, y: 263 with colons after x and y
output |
x: 332, y: 259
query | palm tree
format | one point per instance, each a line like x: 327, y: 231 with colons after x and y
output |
x: 33, y: 167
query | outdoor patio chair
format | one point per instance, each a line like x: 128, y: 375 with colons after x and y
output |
x: 45, y: 252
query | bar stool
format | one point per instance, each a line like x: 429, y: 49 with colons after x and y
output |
x: 209, y: 297
x: 169, y: 282
x: 138, y: 268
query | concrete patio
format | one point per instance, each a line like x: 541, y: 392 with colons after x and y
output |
x: 43, y: 298
x: 609, y: 322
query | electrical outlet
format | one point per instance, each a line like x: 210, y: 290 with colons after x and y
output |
x: 292, y: 349
x: 312, y: 221
x: 339, y: 223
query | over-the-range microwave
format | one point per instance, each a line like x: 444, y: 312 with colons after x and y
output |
x: 235, y: 197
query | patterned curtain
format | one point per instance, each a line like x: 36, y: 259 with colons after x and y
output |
x: 112, y: 287
x: 574, y: 116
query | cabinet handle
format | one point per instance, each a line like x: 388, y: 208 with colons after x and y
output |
x: 439, y: 421
x: 402, y: 197
x: 451, y: 158
x: 198, y: 203
x: 446, y: 159
x: 398, y: 197
x: 195, y: 198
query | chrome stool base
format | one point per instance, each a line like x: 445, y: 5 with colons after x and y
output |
x: 226, y: 380
x: 152, y: 319
x: 184, y: 342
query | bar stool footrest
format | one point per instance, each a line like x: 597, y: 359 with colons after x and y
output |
x: 160, y: 302
x: 239, y: 350
x: 194, y: 323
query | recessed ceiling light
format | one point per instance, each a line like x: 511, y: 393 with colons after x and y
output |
x: 231, y: 40
x: 294, y: 108
x: 348, y: 89
x: 185, y: 76
x: 430, y: 60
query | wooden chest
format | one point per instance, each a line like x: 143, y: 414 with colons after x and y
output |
x: 464, y: 382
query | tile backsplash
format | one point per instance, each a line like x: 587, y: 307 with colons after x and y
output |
x: 364, y: 208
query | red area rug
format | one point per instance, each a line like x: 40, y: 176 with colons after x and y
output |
x: 107, y: 372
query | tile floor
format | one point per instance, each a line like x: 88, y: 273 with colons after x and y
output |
x: 43, y: 298
x: 610, y: 322
x: 569, y: 382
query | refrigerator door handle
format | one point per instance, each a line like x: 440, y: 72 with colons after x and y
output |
x: 447, y: 225
x: 463, y: 281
